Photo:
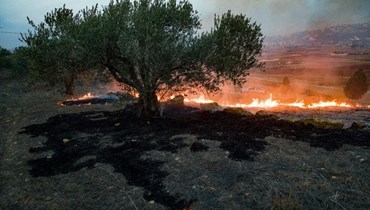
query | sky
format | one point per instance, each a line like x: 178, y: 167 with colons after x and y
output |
x: 277, y: 17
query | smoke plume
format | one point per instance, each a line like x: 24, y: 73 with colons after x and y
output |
x: 287, y: 16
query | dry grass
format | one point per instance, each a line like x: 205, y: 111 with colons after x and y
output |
x: 286, y: 203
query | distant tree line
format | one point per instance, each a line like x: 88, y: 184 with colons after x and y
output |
x: 15, y: 61
x: 5, y: 58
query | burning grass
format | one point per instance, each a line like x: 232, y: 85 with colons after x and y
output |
x: 276, y: 103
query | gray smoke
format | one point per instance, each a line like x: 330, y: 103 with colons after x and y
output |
x: 287, y: 16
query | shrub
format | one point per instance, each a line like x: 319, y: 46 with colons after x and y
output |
x: 5, y: 56
x: 286, y: 82
x: 356, y: 86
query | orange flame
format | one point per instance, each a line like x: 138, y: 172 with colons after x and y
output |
x: 86, y: 96
x: 272, y: 103
x: 328, y: 104
x: 256, y: 103
x: 200, y: 100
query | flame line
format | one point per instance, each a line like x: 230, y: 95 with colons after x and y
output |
x: 271, y: 103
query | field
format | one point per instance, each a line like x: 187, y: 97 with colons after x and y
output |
x: 312, y: 72
x: 103, y: 157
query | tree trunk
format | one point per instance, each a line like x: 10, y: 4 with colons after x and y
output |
x: 148, y: 105
x: 69, y: 80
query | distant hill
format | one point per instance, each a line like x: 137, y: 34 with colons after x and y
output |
x: 340, y: 36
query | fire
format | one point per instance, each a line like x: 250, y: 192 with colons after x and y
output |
x: 272, y: 103
x: 200, y: 100
x: 268, y: 103
x: 328, y: 104
x: 256, y: 103
x: 86, y: 96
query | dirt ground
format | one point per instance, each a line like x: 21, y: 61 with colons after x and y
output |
x: 103, y: 157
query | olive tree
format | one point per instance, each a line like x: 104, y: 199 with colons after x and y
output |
x: 153, y: 45
x: 150, y: 46
x: 53, y: 49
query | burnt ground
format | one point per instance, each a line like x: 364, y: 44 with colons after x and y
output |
x: 120, y: 139
x: 102, y: 157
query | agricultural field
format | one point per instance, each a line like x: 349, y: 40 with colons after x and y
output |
x: 311, y: 72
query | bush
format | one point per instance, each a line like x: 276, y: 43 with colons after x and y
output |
x: 14, y: 61
x: 357, y: 85
x: 19, y: 62
x: 286, y: 82
x: 5, y: 58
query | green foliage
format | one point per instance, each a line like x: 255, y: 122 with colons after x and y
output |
x: 16, y: 61
x: 20, y: 62
x: 153, y: 47
x: 53, y: 49
x: 5, y: 58
x: 150, y: 46
x: 236, y: 43
x: 357, y: 85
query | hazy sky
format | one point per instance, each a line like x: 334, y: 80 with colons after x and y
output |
x: 275, y: 16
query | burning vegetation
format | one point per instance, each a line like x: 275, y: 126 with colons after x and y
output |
x: 217, y: 102
x: 195, y: 123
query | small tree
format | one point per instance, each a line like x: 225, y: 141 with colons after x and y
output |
x: 357, y: 85
x: 53, y: 48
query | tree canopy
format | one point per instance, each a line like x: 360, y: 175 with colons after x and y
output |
x: 151, y: 46
x: 53, y: 47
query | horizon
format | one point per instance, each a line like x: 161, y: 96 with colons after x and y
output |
x: 289, y: 15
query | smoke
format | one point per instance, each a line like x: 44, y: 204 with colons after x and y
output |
x: 326, y: 13
x: 287, y: 16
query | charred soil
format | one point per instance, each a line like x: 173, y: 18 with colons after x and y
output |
x: 121, y: 140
